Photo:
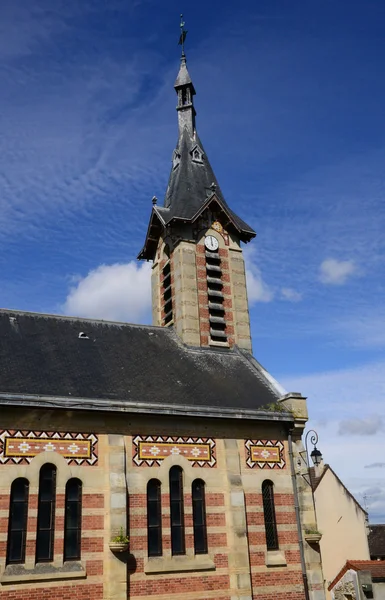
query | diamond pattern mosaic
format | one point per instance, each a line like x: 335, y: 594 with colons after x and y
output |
x: 19, y: 447
x: 264, y: 452
x: 151, y: 450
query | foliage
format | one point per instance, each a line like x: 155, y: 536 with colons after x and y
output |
x: 276, y: 407
x: 121, y: 538
x: 312, y: 531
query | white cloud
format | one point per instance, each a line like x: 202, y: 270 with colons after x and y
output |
x: 336, y: 272
x: 367, y: 426
x: 291, y: 295
x: 120, y: 292
x: 257, y: 288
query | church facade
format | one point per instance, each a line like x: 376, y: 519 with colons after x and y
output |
x: 156, y: 461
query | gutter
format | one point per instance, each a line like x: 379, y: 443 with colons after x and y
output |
x: 128, y: 406
x: 298, y: 519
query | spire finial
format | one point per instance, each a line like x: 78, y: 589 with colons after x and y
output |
x: 183, y: 34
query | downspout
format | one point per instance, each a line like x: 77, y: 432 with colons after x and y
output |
x: 298, y: 519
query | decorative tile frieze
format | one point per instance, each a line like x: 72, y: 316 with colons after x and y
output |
x: 151, y: 450
x: 218, y: 227
x: 19, y: 447
x: 264, y: 452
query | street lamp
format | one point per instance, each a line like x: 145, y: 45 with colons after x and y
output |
x: 315, y: 455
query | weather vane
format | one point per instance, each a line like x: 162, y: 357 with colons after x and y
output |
x: 183, y: 34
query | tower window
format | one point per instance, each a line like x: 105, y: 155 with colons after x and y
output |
x: 197, y: 154
x: 199, y: 516
x: 154, y: 518
x: 184, y: 97
x: 73, y: 519
x: 215, y: 297
x: 17, y: 527
x: 269, y: 515
x: 167, y: 295
x: 177, y: 511
x: 46, y: 513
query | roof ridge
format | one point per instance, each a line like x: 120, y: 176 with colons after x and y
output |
x: 14, y: 311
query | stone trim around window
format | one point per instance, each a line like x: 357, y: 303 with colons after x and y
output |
x: 179, y: 564
x: 275, y: 558
x: 42, y: 572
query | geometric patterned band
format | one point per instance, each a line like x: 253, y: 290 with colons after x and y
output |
x: 20, y: 447
x: 151, y: 450
x: 264, y: 452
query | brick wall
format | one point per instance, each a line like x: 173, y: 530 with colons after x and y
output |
x: 227, y: 485
x: 203, y: 295
x: 92, y: 538
x: 216, y: 583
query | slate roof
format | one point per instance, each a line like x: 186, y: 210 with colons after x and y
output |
x: 190, y: 184
x: 183, y: 77
x: 376, y: 539
x: 190, y: 187
x: 43, y: 355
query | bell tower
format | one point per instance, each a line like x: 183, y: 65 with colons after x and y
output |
x: 194, y: 241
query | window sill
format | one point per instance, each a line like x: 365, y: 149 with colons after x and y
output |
x: 275, y: 558
x: 178, y: 564
x: 42, y: 572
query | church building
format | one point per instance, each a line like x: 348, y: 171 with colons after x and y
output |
x: 157, y: 461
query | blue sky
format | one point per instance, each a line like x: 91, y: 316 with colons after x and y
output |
x: 290, y: 110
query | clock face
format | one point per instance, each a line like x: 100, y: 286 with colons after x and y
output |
x: 211, y: 242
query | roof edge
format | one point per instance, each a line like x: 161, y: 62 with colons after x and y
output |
x: 328, y: 468
x: 264, y: 374
x: 117, y: 406
x: 28, y: 313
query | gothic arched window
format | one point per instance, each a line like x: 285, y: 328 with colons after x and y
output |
x: 199, y: 516
x: 269, y: 515
x: 177, y: 511
x: 73, y: 519
x: 154, y: 518
x: 46, y: 514
x: 17, y: 524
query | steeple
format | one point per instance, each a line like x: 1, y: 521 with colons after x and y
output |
x: 194, y: 241
x: 185, y: 90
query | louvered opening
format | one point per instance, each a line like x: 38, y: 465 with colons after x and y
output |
x: 216, y: 298
x: 167, y: 294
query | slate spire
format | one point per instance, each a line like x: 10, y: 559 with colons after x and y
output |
x: 192, y: 184
x: 185, y: 91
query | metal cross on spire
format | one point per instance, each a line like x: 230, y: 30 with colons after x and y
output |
x: 183, y: 34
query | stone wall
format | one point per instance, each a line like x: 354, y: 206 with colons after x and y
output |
x: 232, y: 458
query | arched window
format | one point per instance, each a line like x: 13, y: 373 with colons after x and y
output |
x: 154, y: 518
x: 199, y: 516
x: 73, y: 519
x: 46, y: 513
x: 17, y: 524
x: 177, y: 511
x: 269, y: 515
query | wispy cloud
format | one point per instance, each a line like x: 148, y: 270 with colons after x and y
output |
x: 364, y: 328
x: 342, y: 392
x: 377, y: 465
x: 257, y: 289
x: 336, y: 272
x: 367, y: 426
x: 333, y: 397
x: 291, y: 295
